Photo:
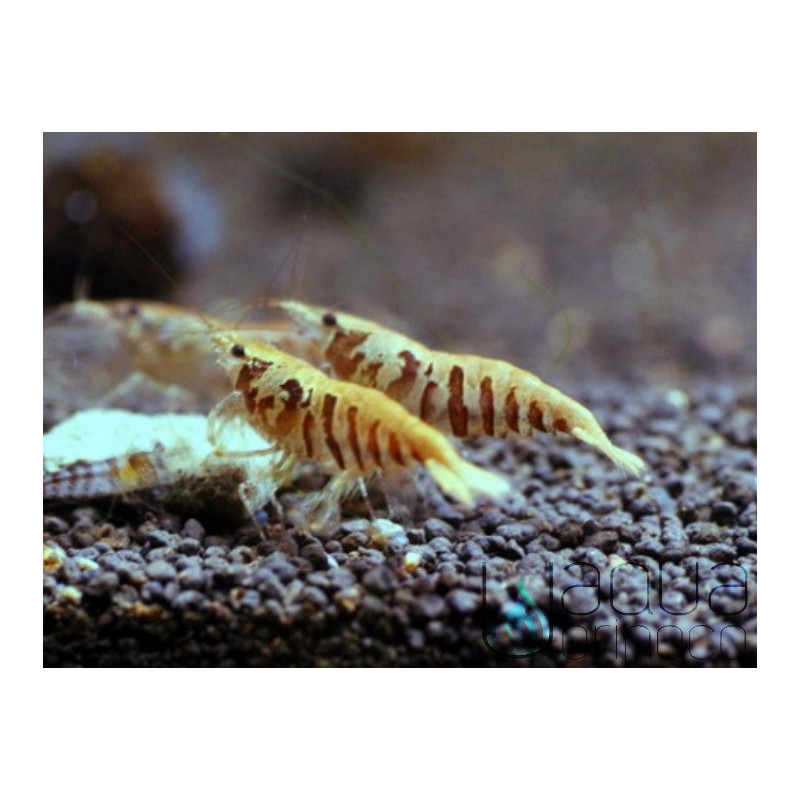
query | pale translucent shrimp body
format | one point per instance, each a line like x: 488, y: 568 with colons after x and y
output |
x: 111, y: 452
x: 94, y: 347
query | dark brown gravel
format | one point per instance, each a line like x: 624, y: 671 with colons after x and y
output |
x: 128, y: 586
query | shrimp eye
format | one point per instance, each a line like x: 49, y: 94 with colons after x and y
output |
x: 238, y: 351
x: 329, y: 319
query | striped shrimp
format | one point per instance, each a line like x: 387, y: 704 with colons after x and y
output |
x: 352, y: 431
x: 462, y: 395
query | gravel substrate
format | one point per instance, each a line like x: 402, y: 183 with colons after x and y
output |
x: 582, y: 566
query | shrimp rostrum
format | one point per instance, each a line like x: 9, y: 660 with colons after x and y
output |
x: 352, y: 431
x: 462, y: 395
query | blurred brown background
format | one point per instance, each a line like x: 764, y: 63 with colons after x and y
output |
x: 581, y: 257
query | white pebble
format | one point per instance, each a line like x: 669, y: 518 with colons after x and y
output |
x: 412, y: 561
x: 678, y: 398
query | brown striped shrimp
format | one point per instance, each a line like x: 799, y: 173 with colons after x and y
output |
x: 461, y: 395
x: 352, y: 431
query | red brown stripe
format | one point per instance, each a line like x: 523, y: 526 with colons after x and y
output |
x: 352, y: 435
x: 294, y: 394
x: 372, y: 442
x: 512, y: 411
x: 308, y: 433
x: 426, y: 409
x: 369, y: 375
x: 288, y: 418
x: 328, y: 406
x: 561, y: 425
x: 394, y: 448
x: 265, y: 403
x: 400, y: 387
x: 251, y: 371
x: 455, y: 404
x: 487, y: 406
x: 341, y: 353
x: 535, y: 416
x: 250, y: 397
